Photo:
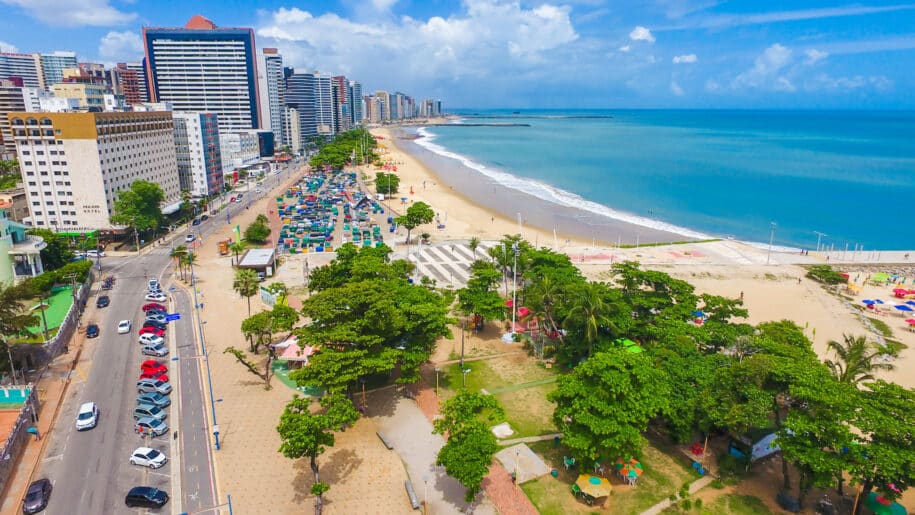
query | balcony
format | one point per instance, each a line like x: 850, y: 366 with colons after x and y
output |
x: 30, y: 245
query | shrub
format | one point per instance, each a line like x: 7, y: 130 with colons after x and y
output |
x: 825, y: 274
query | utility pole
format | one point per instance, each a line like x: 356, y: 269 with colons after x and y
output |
x: 771, y: 239
x: 819, y: 236
x: 516, y: 251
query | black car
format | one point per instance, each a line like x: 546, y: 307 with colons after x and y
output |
x: 196, y: 221
x: 157, y: 325
x: 204, y: 218
x: 102, y: 302
x: 36, y: 499
x: 145, y: 497
x: 92, y: 331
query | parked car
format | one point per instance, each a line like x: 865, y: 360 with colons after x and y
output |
x: 155, y: 317
x: 150, y: 426
x: 152, y: 283
x: 156, y: 297
x: 196, y: 222
x: 155, y: 324
x: 154, y: 305
x: 102, y: 302
x: 154, y: 350
x: 151, y: 365
x: 37, y: 496
x: 150, y: 339
x: 124, y: 327
x: 189, y: 238
x: 232, y: 199
x: 92, y: 331
x: 154, y: 399
x: 204, y: 218
x: 148, y: 411
x: 153, y: 312
x: 153, y: 331
x: 145, y: 497
x: 151, y: 385
x: 87, y: 416
x: 95, y: 253
x: 147, y: 457
x: 156, y: 376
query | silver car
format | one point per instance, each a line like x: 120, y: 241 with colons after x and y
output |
x: 153, y: 385
x: 157, y: 350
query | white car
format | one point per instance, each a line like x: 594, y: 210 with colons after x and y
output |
x: 87, y: 416
x: 147, y: 457
x: 124, y: 327
x: 189, y: 238
x: 156, y: 297
x: 95, y: 253
x: 151, y: 339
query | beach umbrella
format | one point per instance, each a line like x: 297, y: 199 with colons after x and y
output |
x: 868, y: 302
x: 883, y: 506
x: 903, y: 307
x: 910, y: 321
x: 878, y: 301
x: 595, y: 486
x: 698, y: 314
x: 910, y: 302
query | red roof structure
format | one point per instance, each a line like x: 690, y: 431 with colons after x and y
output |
x: 199, y: 22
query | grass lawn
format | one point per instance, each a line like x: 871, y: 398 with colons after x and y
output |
x: 528, y: 411
x: 663, y: 476
x: 736, y: 504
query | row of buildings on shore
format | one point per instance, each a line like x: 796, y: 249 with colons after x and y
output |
x: 202, y: 104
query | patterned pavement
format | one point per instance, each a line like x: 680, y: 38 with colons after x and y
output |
x: 448, y: 263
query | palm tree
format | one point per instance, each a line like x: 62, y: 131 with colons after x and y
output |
x: 237, y: 247
x: 589, y: 313
x: 859, y: 358
x: 543, y: 295
x: 178, y: 254
x: 14, y: 316
x: 246, y: 284
x: 474, y: 244
x: 189, y: 259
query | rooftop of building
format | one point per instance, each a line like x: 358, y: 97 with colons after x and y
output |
x: 256, y: 258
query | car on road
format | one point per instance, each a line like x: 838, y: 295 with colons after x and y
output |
x: 154, y: 399
x: 155, y: 324
x: 148, y: 457
x: 150, y: 426
x: 258, y: 190
x: 155, y: 312
x: 124, y: 327
x: 150, y: 339
x: 196, y: 222
x: 148, y: 411
x: 232, y: 199
x: 156, y: 297
x: 153, y: 331
x: 87, y: 416
x: 154, y: 350
x: 102, y: 302
x: 152, y: 365
x: 154, y: 306
x: 204, y: 218
x: 37, y: 496
x: 189, y: 238
x: 155, y: 317
x: 145, y: 497
x: 151, y: 385
x: 95, y: 253
x: 92, y: 331
x: 156, y: 376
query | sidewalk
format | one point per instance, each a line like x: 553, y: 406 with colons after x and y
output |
x: 52, y: 386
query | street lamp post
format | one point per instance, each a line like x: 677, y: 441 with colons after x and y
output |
x: 203, y: 348
x: 464, y: 372
x: 819, y: 236
x: 516, y: 250
x: 462, y: 345
x: 437, y: 371
x: 771, y: 239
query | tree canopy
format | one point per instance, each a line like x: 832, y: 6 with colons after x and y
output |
x: 355, y: 145
x: 140, y: 206
x: 419, y: 213
x: 57, y: 253
x: 258, y: 230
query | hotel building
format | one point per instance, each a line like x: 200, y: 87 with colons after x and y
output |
x: 75, y: 165
x: 272, y: 90
x: 205, y: 68
x: 198, y: 152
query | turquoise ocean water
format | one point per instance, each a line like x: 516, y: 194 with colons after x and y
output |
x: 849, y: 174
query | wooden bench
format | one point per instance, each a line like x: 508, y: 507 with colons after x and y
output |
x: 411, y: 494
x: 387, y: 443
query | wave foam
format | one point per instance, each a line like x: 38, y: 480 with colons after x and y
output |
x: 550, y: 193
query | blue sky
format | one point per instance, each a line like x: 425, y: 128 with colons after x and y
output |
x: 549, y: 54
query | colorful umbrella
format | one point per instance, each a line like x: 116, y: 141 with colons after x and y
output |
x: 868, y: 302
x: 903, y: 307
x: 595, y: 486
x: 910, y: 321
x: 882, y: 506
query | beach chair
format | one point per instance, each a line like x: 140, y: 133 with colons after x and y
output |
x: 568, y: 462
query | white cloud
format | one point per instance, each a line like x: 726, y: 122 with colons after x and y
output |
x: 814, y: 55
x: 824, y: 82
x: 125, y: 45
x: 686, y: 59
x: 723, y: 21
x: 489, y: 39
x: 676, y: 89
x: 767, y: 71
x: 73, y: 13
x: 6, y: 47
x: 640, y: 33
x: 383, y: 5
x: 625, y: 48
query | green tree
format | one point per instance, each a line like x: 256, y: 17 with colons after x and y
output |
x: 308, y: 435
x: 246, y: 284
x: 284, y: 318
x: 419, y: 213
x: 57, y: 252
x: 589, y: 312
x: 480, y: 297
x: 603, y: 406
x: 258, y: 329
x: 237, y: 247
x: 253, y: 367
x: 474, y: 244
x: 468, y: 452
x: 358, y: 264
x: 280, y: 290
x: 179, y: 254
x: 14, y: 315
x: 357, y: 145
x: 258, y: 231
x: 386, y: 183
x: 139, y: 206
x: 858, y: 358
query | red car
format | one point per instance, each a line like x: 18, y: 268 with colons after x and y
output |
x: 152, y: 330
x: 154, y: 305
x: 156, y: 376
x: 152, y: 366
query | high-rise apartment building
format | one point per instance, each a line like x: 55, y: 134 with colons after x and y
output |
x: 25, y: 66
x: 126, y: 82
x: 142, y: 80
x: 89, y: 95
x: 75, y: 165
x: 340, y: 90
x: 53, y: 64
x: 354, y: 99
x: 11, y: 99
x: 205, y: 68
x: 300, y: 97
x: 324, y: 103
x: 198, y: 153
x: 383, y: 114
x: 272, y: 90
